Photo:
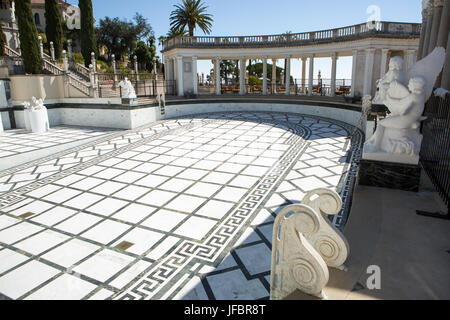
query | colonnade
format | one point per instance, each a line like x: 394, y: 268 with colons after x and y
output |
x: 435, y: 33
x: 368, y: 65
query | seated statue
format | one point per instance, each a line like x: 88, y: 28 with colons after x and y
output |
x: 398, y: 138
x: 395, y: 73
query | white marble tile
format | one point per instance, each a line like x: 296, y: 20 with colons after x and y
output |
x: 103, y: 265
x: 83, y: 201
x: 142, y: 240
x: 185, y: 203
x: 176, y: 185
x: 18, y: 232
x: 62, y: 195
x: 130, y: 274
x: 231, y: 194
x: 108, y: 188
x: 203, y: 189
x: 157, y: 198
x: 78, y: 223
x: 195, y: 228
x: 151, y: 181
x: 10, y: 259
x: 164, y: 247
x: 106, y: 231
x: 41, y: 242
x: 164, y: 220
x: 134, y: 213
x: 71, y: 252
x: 131, y: 192
x: 25, y: 278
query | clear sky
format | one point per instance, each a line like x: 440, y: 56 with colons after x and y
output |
x: 257, y: 17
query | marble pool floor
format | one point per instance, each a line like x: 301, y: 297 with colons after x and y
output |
x: 180, y: 209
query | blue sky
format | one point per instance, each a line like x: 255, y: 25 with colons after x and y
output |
x: 256, y: 17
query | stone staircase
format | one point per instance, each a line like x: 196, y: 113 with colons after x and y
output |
x: 75, y: 76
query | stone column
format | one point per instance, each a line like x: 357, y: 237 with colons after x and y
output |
x: 303, y: 74
x: 274, y: 75
x: 368, y: 71
x: 354, y: 65
x: 69, y: 49
x: 264, y: 88
x: 437, y: 13
x: 334, y: 58
x: 384, y: 62
x: 136, y: 67
x: 218, y: 81
x: 242, y: 76
x: 194, y: 75
x: 180, y: 80
x: 424, y: 28
x: 445, y: 82
x: 92, y: 81
x: 410, y: 58
x: 41, y: 47
x: 114, y: 67
x: 429, y: 25
x: 52, y: 50
x: 311, y: 74
x: 288, y: 75
x: 445, y: 25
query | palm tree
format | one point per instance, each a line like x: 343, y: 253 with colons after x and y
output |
x: 191, y: 14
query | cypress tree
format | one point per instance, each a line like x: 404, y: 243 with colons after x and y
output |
x: 28, y: 36
x: 2, y: 41
x: 53, y: 28
x: 88, y: 37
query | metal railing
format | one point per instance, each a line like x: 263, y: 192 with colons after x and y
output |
x: 435, y: 153
x: 339, y: 34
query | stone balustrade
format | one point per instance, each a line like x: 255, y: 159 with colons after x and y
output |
x: 379, y: 29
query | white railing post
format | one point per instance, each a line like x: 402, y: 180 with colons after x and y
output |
x: 52, y: 50
x: 65, y: 61
x: 113, y: 62
x: 92, y: 81
x: 41, y: 47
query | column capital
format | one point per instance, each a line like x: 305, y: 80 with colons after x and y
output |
x: 288, y: 56
x: 219, y: 58
x: 334, y: 55
x: 179, y: 57
x: 385, y: 50
x: 438, y: 3
x: 370, y: 50
x: 311, y: 55
x: 194, y: 58
x: 265, y: 57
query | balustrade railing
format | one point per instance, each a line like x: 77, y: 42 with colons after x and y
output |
x: 381, y: 28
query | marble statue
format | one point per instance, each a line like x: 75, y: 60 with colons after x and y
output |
x: 127, y: 89
x: 305, y: 244
x: 395, y: 73
x: 36, y: 116
x: 398, y: 138
x: 161, y: 98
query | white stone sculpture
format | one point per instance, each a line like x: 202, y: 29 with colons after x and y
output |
x: 127, y: 89
x: 36, y: 116
x: 397, y: 138
x: 161, y: 98
x: 395, y: 73
x: 304, y: 243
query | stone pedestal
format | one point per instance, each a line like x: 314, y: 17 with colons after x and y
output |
x: 130, y: 101
x: 389, y: 175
